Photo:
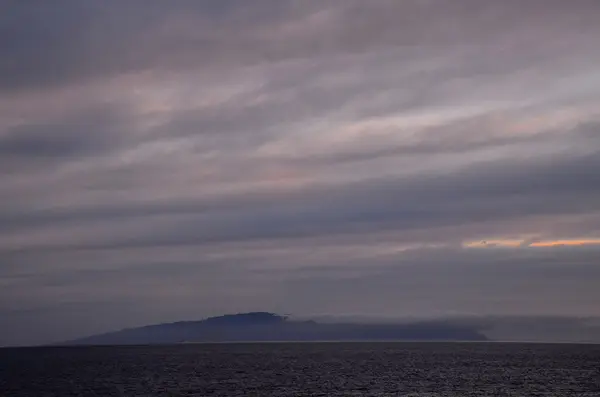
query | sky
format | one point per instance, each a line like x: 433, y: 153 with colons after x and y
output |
x: 172, y: 160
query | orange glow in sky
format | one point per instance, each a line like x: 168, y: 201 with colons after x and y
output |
x: 514, y: 243
x: 556, y: 243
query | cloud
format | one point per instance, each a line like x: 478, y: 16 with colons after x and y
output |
x: 282, y: 149
x: 486, y: 192
x: 45, y: 143
x: 50, y: 44
x: 160, y: 285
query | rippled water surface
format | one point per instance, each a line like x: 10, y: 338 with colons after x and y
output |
x: 304, y: 369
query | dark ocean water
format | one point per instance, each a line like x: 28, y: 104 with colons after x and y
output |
x: 304, y: 369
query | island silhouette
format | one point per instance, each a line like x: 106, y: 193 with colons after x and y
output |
x: 271, y: 327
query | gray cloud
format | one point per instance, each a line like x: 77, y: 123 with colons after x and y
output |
x: 417, y: 283
x: 52, y: 142
x: 156, y: 157
x: 482, y: 193
x: 54, y: 43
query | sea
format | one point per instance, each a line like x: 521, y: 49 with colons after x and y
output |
x: 303, y: 369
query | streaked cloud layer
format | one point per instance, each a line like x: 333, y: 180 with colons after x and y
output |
x: 170, y: 160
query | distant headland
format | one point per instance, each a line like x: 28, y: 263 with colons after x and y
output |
x: 265, y: 326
